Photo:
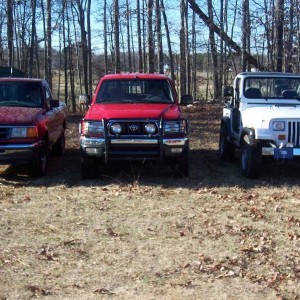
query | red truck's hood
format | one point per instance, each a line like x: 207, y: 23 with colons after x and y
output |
x: 134, y: 111
x: 18, y: 115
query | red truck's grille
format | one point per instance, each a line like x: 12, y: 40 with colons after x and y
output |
x: 4, y: 133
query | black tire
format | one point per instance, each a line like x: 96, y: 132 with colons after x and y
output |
x: 226, y: 149
x: 89, y: 168
x: 37, y: 167
x: 183, y: 164
x: 250, y: 158
x: 59, y: 147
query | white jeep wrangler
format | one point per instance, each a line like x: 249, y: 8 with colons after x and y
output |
x: 261, y: 118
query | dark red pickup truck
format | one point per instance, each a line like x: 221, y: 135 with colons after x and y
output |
x: 31, y: 124
x: 134, y: 117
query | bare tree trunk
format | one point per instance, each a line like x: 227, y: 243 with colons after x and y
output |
x: 246, y: 35
x: 224, y: 36
x: 64, y: 16
x: 194, y: 57
x: 214, y: 54
x: 89, y: 49
x: 81, y: 18
x: 117, y: 36
x: 10, y: 33
x: 182, y: 48
x: 288, y: 65
x: 151, y: 67
x: 32, y: 46
x: 279, y: 34
x: 139, y: 33
x: 168, y: 41
x: 105, y: 37
x: 187, y: 51
x: 128, y: 20
x: 160, y: 59
x: 48, y: 75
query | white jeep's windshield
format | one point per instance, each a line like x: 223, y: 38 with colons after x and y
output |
x: 135, y: 91
x: 272, y: 87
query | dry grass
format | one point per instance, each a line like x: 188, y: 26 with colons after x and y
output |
x: 138, y: 232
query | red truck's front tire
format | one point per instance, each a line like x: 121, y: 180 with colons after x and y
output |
x: 38, y: 165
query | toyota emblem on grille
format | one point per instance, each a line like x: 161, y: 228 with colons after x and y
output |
x: 133, y: 127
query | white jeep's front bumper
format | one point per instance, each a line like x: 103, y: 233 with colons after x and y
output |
x: 281, y: 153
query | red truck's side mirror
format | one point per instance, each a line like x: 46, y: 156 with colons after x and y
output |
x: 54, y: 103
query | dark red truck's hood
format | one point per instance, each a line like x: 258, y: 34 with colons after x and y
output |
x: 133, y: 111
x: 18, y: 115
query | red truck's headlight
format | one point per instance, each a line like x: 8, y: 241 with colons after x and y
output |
x: 91, y: 128
x: 175, y: 127
x: 24, y: 132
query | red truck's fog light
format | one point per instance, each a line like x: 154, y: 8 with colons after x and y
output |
x: 150, y: 128
x: 116, y: 128
x: 176, y: 150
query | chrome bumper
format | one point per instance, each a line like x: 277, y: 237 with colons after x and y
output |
x: 96, y: 146
x: 270, y: 151
x: 17, y: 153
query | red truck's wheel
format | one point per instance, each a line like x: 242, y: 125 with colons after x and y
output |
x: 183, y: 166
x: 59, y: 147
x: 88, y: 168
x: 38, y: 166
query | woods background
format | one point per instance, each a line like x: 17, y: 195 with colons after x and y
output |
x: 200, y: 44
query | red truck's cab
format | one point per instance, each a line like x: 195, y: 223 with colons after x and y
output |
x: 31, y: 123
x: 134, y: 117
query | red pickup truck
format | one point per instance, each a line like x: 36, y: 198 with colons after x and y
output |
x: 31, y: 124
x: 134, y: 117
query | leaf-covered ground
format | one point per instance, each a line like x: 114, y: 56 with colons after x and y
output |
x: 140, y: 232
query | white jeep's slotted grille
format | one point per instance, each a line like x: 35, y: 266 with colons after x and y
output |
x: 294, y: 133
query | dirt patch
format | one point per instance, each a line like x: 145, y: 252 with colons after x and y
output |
x: 140, y: 232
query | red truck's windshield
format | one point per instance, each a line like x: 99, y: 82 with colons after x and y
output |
x: 22, y: 94
x: 135, y: 91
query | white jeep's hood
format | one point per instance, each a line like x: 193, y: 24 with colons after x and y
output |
x: 260, y: 116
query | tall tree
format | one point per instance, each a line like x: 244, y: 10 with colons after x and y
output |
x: 10, y: 33
x: 32, y: 46
x: 151, y: 66
x: 214, y: 53
x: 128, y: 22
x: 117, y: 37
x: 48, y: 75
x: 211, y: 25
x: 246, y: 35
x: 84, y: 47
x: 89, y: 48
x: 139, y: 36
x: 168, y: 41
x: 279, y: 33
x: 183, y: 53
x: 160, y: 58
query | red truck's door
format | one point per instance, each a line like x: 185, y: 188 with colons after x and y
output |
x: 54, y: 118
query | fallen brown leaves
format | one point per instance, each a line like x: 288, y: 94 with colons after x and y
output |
x: 133, y: 236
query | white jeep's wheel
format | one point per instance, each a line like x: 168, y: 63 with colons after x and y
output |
x: 226, y: 149
x: 250, y: 158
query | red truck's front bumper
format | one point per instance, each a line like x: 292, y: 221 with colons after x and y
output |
x: 12, y: 154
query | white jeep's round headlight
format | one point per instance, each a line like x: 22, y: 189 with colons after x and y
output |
x: 150, y: 128
x: 279, y: 125
x: 116, y: 128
